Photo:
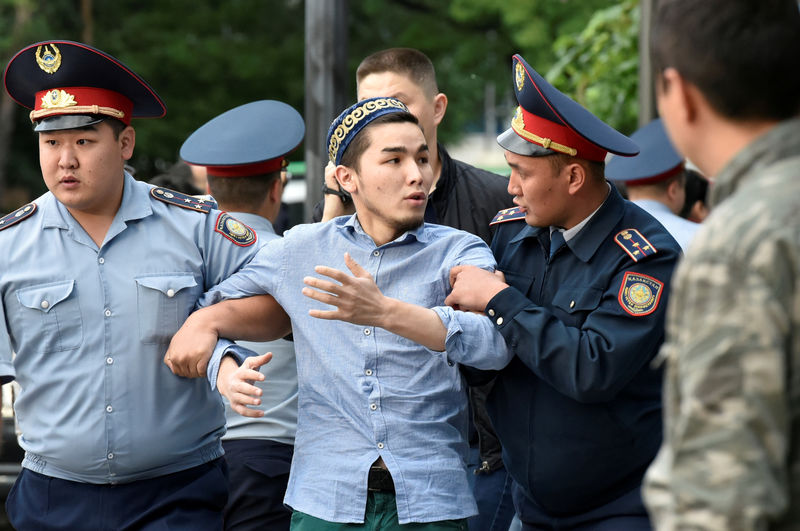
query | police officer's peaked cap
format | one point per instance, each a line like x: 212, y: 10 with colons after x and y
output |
x: 70, y: 84
x: 355, y: 118
x: 548, y: 122
x: 656, y: 162
x: 252, y: 139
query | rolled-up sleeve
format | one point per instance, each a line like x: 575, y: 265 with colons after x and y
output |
x: 472, y: 340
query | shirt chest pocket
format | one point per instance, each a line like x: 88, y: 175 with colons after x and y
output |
x: 572, y: 304
x: 50, y: 317
x: 163, y: 303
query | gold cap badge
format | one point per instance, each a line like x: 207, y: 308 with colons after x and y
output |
x: 47, y: 60
x: 519, y: 76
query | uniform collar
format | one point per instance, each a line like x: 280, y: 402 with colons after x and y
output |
x: 254, y: 221
x: 134, y: 206
x: 588, y: 239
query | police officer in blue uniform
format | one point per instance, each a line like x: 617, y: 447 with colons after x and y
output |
x: 95, y: 277
x: 580, y: 301
x: 656, y: 180
x: 244, y: 153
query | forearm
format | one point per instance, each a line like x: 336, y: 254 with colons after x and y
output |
x: 258, y: 318
x: 419, y: 324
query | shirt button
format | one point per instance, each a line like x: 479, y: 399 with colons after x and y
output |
x: 380, y: 445
x: 373, y: 407
x: 368, y: 372
x: 367, y: 331
x: 376, y: 253
x: 499, y: 321
x: 572, y: 304
x: 101, y: 260
x: 45, y: 305
x: 109, y: 360
x: 170, y: 293
x: 109, y: 409
x: 490, y: 312
x: 111, y: 456
x: 107, y: 313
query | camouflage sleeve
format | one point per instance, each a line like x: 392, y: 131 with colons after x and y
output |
x: 722, y: 464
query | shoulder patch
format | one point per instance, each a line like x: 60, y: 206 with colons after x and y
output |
x: 18, y: 215
x: 235, y: 230
x: 508, y: 214
x: 639, y: 294
x: 189, y: 202
x: 633, y: 243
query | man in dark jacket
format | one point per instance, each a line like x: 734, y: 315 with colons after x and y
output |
x: 581, y: 305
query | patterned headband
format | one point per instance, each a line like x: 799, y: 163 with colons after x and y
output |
x: 353, y: 119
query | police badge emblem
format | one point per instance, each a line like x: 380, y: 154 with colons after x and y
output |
x: 519, y: 76
x: 639, y: 294
x: 235, y: 230
x: 47, y: 60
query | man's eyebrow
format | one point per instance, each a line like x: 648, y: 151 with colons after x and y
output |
x: 394, y: 149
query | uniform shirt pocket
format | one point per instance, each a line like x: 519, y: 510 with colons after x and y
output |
x: 50, y: 317
x: 573, y: 304
x: 163, y: 303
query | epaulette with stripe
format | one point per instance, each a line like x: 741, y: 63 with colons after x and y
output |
x: 189, y: 202
x: 508, y: 214
x: 635, y: 244
x: 23, y: 212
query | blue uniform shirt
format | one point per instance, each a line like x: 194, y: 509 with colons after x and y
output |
x: 578, y: 409
x: 279, y: 388
x: 366, y: 393
x: 681, y: 229
x: 90, y: 327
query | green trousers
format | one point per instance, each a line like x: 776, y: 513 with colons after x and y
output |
x: 381, y: 515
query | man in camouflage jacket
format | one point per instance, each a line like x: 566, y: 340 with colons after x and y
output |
x: 728, y: 90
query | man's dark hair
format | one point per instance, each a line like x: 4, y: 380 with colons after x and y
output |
x: 596, y: 170
x: 696, y: 190
x: 352, y: 155
x: 744, y: 56
x: 242, y: 193
x: 409, y: 62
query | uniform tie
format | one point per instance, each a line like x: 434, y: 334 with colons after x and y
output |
x: 556, y: 241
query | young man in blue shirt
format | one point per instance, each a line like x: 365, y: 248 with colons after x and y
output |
x: 382, y: 409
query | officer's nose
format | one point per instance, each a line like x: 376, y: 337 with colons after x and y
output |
x: 67, y: 158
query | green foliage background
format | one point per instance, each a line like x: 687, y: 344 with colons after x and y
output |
x: 205, y: 57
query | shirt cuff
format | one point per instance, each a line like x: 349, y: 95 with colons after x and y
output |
x: 225, y: 347
x: 504, y: 306
x: 449, y: 320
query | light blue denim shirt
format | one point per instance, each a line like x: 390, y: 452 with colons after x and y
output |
x: 366, y: 393
x: 90, y: 327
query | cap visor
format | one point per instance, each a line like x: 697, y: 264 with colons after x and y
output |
x: 510, y: 140
x: 67, y: 121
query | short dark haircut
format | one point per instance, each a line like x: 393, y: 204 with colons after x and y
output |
x: 352, y: 155
x: 742, y: 55
x: 696, y: 190
x: 596, y: 170
x: 409, y: 62
x: 243, y: 193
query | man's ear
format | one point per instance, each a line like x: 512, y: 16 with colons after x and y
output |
x: 275, y: 191
x: 439, y: 107
x: 345, y: 176
x: 127, y: 141
x: 680, y: 95
x: 576, y: 177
